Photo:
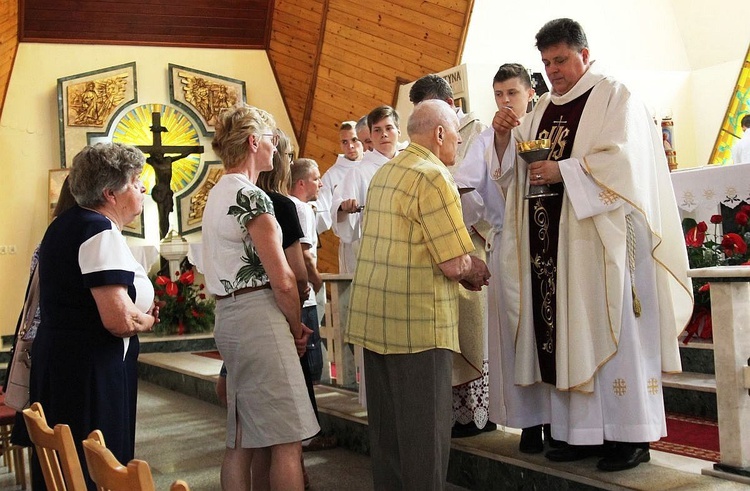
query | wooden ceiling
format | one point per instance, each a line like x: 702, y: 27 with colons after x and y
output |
x: 204, y: 23
x: 334, y: 60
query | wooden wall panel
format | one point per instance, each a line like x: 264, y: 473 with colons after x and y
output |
x: 202, y: 23
x: 295, y: 41
x: 363, y: 49
x: 8, y: 44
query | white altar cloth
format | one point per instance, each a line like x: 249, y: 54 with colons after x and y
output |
x: 195, y: 255
x: 700, y: 191
x: 146, y: 255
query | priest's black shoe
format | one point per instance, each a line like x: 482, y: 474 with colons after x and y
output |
x: 571, y: 453
x: 531, y: 440
x: 464, y: 430
x: 551, y: 441
x: 624, y: 456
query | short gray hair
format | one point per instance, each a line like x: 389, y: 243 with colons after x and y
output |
x: 103, y: 166
x: 428, y: 115
x: 361, y: 124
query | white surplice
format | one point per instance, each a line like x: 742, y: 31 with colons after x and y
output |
x: 509, y: 404
x: 331, y: 180
x: 354, y: 186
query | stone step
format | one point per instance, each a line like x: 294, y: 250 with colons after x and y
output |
x: 690, y: 393
x: 697, y: 356
x: 490, y: 460
x: 701, y: 382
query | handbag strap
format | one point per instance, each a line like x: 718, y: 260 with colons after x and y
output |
x: 31, y: 304
x: 26, y: 317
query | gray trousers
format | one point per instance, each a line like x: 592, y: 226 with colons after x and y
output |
x: 409, y: 409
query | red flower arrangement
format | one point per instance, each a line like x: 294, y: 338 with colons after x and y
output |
x: 183, y: 306
x: 706, y: 250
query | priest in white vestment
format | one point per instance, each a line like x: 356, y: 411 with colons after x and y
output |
x: 595, y: 278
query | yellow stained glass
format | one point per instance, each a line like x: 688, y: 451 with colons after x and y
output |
x: 135, y: 129
x: 731, y: 128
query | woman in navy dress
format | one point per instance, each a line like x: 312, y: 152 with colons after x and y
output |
x: 94, y: 299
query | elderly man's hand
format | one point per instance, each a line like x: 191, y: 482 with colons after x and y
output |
x: 478, y: 277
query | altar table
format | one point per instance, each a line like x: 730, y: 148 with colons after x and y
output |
x: 701, y: 191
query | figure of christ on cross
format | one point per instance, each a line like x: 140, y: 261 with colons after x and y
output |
x: 162, y: 192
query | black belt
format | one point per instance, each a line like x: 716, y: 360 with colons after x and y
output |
x: 241, y: 291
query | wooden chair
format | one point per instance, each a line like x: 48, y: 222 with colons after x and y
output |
x: 56, y: 451
x: 110, y: 475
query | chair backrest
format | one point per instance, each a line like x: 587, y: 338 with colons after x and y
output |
x: 56, y: 451
x: 109, y: 474
x: 179, y: 485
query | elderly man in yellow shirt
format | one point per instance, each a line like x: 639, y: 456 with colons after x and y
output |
x: 404, y: 305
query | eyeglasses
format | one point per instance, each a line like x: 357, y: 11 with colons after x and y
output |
x: 274, y: 138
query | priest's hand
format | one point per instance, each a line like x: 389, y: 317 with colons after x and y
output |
x: 544, y: 172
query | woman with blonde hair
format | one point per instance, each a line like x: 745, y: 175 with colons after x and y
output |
x: 258, y: 330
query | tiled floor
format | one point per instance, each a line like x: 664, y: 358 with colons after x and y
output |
x: 182, y: 437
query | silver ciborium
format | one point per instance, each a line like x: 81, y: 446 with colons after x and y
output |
x: 533, y: 151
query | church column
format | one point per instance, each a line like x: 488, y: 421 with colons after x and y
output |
x: 730, y: 312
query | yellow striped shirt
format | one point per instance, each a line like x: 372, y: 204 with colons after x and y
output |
x: 401, y: 302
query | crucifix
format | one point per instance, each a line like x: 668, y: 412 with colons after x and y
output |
x: 162, y: 165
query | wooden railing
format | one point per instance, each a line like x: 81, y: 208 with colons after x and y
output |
x: 340, y: 355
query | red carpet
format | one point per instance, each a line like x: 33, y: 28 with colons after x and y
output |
x: 208, y: 354
x: 687, y: 435
x: 690, y: 436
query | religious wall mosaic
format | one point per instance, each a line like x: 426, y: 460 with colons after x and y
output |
x: 204, y: 94
x: 192, y: 200
x: 102, y: 105
x: 92, y: 103
x: 89, y: 102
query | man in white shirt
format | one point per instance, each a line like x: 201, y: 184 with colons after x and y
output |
x: 304, y: 188
x: 741, y: 149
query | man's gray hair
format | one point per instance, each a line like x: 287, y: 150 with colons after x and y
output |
x: 428, y: 115
x: 103, y: 166
x: 361, y: 124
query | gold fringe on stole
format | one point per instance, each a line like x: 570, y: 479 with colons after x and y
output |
x: 631, y: 263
